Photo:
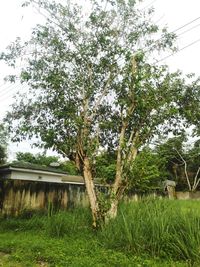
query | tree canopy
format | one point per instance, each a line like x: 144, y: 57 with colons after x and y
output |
x: 42, y: 159
x: 94, y: 82
x: 181, y: 161
x: 3, y: 144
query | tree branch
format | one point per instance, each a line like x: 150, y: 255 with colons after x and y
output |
x: 104, y: 92
x: 185, y: 168
x: 196, y: 182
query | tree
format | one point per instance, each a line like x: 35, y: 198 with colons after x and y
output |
x: 148, y: 171
x: 2, y: 154
x: 190, y: 162
x: 181, y: 161
x: 3, y: 144
x: 105, y: 165
x: 41, y: 159
x: 167, y: 151
x: 92, y: 84
x: 36, y: 159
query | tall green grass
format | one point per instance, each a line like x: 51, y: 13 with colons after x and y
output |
x: 71, y: 223
x: 158, y: 228
x: 163, y: 229
x: 58, y: 224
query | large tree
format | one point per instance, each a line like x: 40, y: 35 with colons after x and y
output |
x: 93, y: 83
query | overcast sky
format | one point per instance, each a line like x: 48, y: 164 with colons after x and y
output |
x: 16, y: 21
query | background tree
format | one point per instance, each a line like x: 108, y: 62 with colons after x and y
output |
x: 105, y: 167
x: 148, y: 171
x: 191, y: 166
x: 92, y: 84
x: 3, y: 144
x: 41, y: 159
x: 181, y: 161
x: 167, y: 151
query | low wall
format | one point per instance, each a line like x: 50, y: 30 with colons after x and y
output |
x: 18, y: 195
x: 188, y: 195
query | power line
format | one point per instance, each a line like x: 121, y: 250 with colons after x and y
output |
x: 12, y: 93
x: 183, y: 26
x: 6, y: 88
x: 179, y: 28
x: 189, y: 30
x: 150, y: 4
x: 2, y: 84
x: 9, y: 91
x: 178, y: 50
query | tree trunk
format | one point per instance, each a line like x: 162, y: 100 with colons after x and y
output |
x: 115, y: 191
x: 112, y: 212
x: 77, y: 162
x: 90, y: 187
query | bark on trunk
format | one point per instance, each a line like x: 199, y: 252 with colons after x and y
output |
x: 112, y: 212
x: 118, y: 188
x: 118, y: 177
x: 77, y: 162
x: 90, y: 187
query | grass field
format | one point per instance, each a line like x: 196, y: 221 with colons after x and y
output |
x: 148, y: 233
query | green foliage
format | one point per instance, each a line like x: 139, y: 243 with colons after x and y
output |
x: 157, y: 228
x: 147, y: 171
x: 192, y: 155
x: 92, y: 83
x: 3, y: 154
x: 3, y: 144
x: 152, y: 166
x: 54, y: 224
x: 148, y: 233
x: 77, y: 64
x: 69, y: 167
x: 43, y: 160
x: 27, y: 157
x: 68, y: 224
x: 39, y: 159
x: 172, y: 152
x: 30, y: 249
x: 105, y: 167
x: 168, y: 149
x: 190, y: 105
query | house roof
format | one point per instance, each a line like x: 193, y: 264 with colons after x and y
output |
x: 29, y: 166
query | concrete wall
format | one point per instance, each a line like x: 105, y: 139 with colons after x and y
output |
x: 188, y: 195
x: 19, y: 195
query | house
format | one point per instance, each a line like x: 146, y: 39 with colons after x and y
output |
x: 25, y: 186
